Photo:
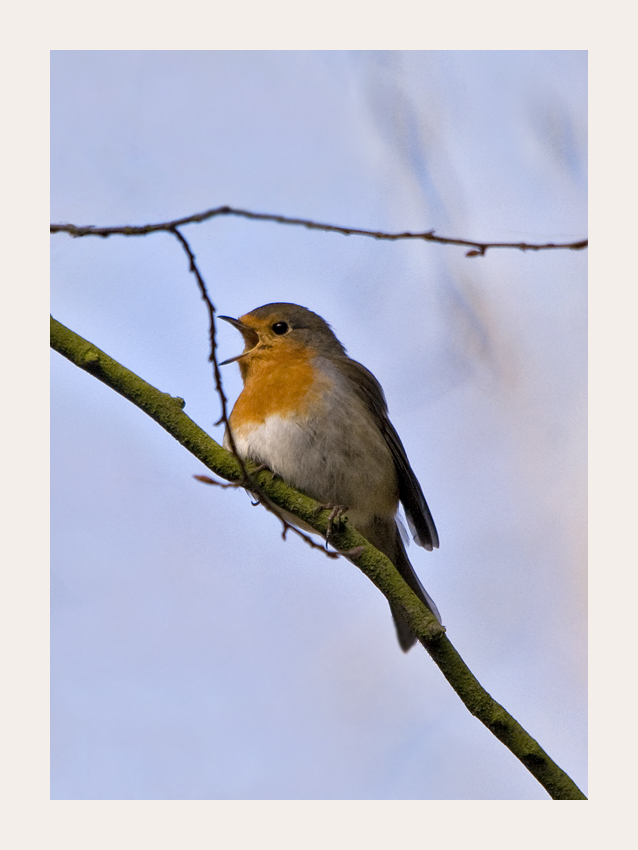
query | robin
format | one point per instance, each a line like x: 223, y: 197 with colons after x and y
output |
x: 320, y: 421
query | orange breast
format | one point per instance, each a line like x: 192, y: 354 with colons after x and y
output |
x: 277, y: 385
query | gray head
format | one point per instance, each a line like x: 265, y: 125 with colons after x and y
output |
x: 283, y: 328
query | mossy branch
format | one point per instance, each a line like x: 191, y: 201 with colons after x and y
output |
x: 167, y: 411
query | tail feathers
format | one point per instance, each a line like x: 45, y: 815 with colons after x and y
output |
x: 406, y: 636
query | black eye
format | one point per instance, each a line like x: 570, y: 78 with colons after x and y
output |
x: 280, y: 328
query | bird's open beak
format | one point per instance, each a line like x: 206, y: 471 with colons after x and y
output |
x: 251, y: 338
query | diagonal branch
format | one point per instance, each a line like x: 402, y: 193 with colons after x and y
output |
x: 167, y: 412
x: 477, y: 249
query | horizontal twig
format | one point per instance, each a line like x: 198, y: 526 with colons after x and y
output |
x: 477, y: 249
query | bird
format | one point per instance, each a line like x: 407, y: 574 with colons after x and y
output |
x: 319, y: 420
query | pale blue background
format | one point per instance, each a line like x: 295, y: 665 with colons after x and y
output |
x: 194, y: 654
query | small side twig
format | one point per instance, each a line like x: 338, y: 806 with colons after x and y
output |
x: 266, y: 503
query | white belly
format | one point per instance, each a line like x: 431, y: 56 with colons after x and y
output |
x: 337, y: 458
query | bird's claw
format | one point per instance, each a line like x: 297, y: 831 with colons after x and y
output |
x: 337, y: 513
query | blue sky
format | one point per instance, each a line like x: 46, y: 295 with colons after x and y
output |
x: 194, y: 654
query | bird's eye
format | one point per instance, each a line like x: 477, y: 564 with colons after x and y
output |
x: 280, y: 328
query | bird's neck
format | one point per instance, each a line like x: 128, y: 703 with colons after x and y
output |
x: 278, y: 386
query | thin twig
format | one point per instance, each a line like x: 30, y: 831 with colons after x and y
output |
x: 248, y: 481
x: 477, y: 249
x: 213, y: 340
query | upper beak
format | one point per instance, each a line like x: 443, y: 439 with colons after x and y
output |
x: 251, y: 337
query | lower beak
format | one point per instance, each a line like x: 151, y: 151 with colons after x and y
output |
x: 250, y: 336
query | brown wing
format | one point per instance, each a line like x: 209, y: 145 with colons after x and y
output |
x: 410, y: 494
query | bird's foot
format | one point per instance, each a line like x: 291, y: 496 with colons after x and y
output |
x: 336, y: 518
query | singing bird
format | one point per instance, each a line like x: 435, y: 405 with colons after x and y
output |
x: 320, y: 421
